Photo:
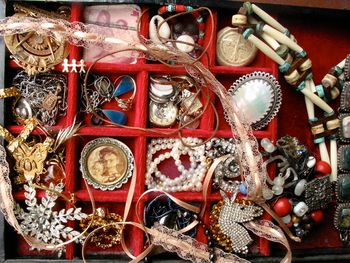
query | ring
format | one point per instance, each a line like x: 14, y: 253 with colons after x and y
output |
x: 126, y: 85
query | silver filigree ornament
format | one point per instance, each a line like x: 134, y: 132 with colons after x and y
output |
x: 233, y: 213
x: 41, y: 222
x: 258, y: 96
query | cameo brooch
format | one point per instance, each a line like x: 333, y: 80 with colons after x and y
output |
x: 106, y: 163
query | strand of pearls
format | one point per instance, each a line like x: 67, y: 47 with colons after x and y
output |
x: 189, y: 179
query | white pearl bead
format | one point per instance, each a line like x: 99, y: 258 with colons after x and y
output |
x: 267, y: 145
x: 167, y: 155
x: 177, y: 162
x: 158, y: 174
x: 311, y: 162
x: 181, y: 168
x: 153, y: 151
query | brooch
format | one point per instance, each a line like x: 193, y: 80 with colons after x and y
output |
x: 40, y: 221
x: 259, y: 97
x: 106, y: 163
x: 225, y: 219
x: 32, y: 51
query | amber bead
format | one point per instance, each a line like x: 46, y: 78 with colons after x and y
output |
x: 54, y: 174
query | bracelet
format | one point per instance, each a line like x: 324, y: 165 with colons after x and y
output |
x: 341, y: 216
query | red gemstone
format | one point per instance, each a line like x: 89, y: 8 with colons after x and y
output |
x: 322, y: 168
x: 282, y: 207
x: 317, y: 216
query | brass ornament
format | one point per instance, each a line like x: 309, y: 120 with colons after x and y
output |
x: 30, y: 160
x: 32, y: 51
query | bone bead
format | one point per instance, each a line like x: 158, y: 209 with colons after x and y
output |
x: 329, y: 81
x: 333, y: 124
x: 317, y: 129
x: 324, y: 152
x: 334, y: 161
x: 306, y: 65
x: 293, y: 77
x: 268, y: 19
x: 269, y: 40
x: 289, y: 59
x: 317, y: 101
x: 164, y: 30
x: 281, y: 38
x: 309, y: 105
x: 264, y: 48
x: 334, y: 93
x: 239, y: 20
x: 187, y: 48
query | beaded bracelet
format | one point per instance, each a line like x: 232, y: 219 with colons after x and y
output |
x: 293, y: 62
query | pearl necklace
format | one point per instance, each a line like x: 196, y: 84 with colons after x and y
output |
x: 190, y: 179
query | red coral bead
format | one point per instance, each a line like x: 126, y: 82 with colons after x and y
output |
x: 282, y: 207
x: 322, y: 168
x: 317, y: 216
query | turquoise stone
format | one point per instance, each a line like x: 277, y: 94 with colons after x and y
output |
x: 344, y: 188
x: 344, y: 219
x: 125, y: 85
x: 346, y: 158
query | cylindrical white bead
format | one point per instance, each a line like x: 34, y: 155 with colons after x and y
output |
x: 324, y: 153
x: 266, y: 49
x: 282, y: 38
x: 268, y: 19
x: 334, y: 161
x: 270, y: 40
x: 308, y: 103
x: 317, y: 101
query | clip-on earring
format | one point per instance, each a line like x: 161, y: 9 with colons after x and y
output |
x: 126, y: 85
